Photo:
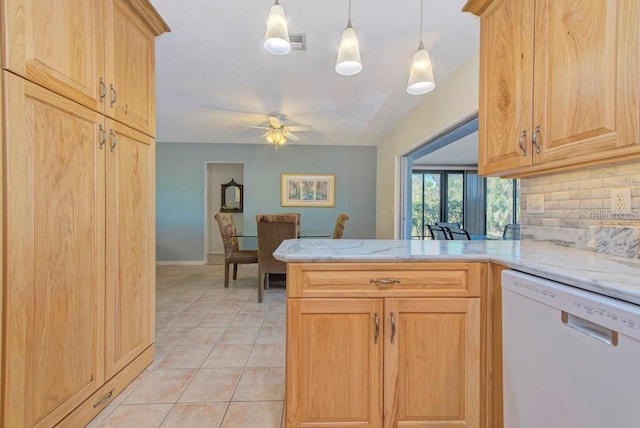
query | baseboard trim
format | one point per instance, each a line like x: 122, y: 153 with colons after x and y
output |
x: 181, y: 262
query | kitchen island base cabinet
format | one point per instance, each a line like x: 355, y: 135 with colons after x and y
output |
x: 389, y: 358
x: 334, y: 363
x: 432, y: 363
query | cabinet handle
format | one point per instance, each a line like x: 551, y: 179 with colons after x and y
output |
x: 376, y: 321
x: 103, y: 137
x: 105, y: 398
x: 379, y: 282
x: 114, y: 94
x: 534, y: 139
x: 114, y: 140
x: 523, y: 148
x: 393, y: 327
x: 103, y: 90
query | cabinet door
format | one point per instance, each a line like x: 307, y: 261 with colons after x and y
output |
x: 334, y: 363
x: 586, y: 77
x: 131, y: 68
x: 54, y: 259
x: 58, y: 47
x: 130, y: 224
x: 506, y: 86
x: 432, y: 362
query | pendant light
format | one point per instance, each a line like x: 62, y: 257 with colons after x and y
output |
x: 421, y: 78
x: 348, y: 62
x: 276, y: 39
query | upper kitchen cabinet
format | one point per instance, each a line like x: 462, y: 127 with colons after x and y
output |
x: 99, y: 53
x: 60, y: 48
x: 559, y: 84
x: 131, y: 67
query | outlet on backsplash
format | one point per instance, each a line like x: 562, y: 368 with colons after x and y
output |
x: 535, y: 204
x: 621, y: 200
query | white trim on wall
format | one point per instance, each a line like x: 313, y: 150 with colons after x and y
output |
x: 399, y: 198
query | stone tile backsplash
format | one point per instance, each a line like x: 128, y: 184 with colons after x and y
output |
x: 576, y: 200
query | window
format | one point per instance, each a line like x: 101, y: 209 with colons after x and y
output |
x: 435, y: 196
x: 503, y: 200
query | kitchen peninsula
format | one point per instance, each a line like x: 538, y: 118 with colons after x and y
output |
x: 381, y: 332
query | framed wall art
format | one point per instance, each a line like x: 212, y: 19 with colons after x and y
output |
x: 307, y: 190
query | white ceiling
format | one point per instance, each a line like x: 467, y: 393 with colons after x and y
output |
x: 462, y: 152
x: 214, y: 76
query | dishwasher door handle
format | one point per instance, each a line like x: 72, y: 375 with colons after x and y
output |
x: 591, y: 329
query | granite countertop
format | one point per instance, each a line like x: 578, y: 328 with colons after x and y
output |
x: 612, y: 276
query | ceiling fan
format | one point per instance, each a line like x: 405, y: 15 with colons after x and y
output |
x: 277, y: 133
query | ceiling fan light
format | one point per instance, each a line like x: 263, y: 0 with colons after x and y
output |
x: 349, y: 62
x: 276, y: 38
x: 421, y: 78
x: 276, y: 137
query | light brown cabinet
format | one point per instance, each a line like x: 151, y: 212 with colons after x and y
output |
x: 334, y: 362
x: 130, y: 251
x: 78, y: 230
x: 559, y: 84
x: 54, y: 263
x: 383, y: 344
x: 131, y: 67
x: 98, y: 53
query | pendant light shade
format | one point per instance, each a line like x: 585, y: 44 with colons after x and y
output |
x: 421, y: 78
x: 276, y: 39
x: 349, y: 62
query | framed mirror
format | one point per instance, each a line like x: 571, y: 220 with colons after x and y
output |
x: 232, y: 197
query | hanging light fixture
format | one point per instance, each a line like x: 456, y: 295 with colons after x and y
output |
x: 277, y: 136
x: 421, y: 78
x: 276, y: 39
x: 348, y: 62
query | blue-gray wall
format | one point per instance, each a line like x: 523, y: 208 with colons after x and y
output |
x: 180, y: 178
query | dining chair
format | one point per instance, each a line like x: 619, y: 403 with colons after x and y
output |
x: 511, y: 231
x: 457, y: 233
x: 447, y: 224
x: 437, y: 232
x: 272, y: 230
x: 338, y: 230
x: 233, y: 255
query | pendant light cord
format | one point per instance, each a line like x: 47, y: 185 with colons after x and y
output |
x: 349, y: 20
x: 421, y: 14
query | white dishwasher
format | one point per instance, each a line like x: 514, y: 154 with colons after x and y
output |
x: 571, y: 358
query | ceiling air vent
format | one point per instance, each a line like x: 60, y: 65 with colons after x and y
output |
x: 298, y: 42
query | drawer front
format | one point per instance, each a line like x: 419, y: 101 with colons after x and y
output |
x: 385, y: 279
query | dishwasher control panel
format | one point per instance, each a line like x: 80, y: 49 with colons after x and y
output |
x: 622, y: 317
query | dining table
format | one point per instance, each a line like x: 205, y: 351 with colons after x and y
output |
x: 250, y: 238
x: 303, y: 234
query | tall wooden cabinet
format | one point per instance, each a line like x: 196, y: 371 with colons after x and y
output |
x: 384, y: 344
x: 78, y: 226
x: 559, y: 84
x: 54, y: 264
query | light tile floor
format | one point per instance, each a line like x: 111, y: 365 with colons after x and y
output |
x: 219, y: 355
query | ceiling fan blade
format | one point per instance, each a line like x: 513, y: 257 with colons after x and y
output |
x: 274, y: 122
x: 292, y: 137
x: 255, y: 127
x: 300, y: 128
